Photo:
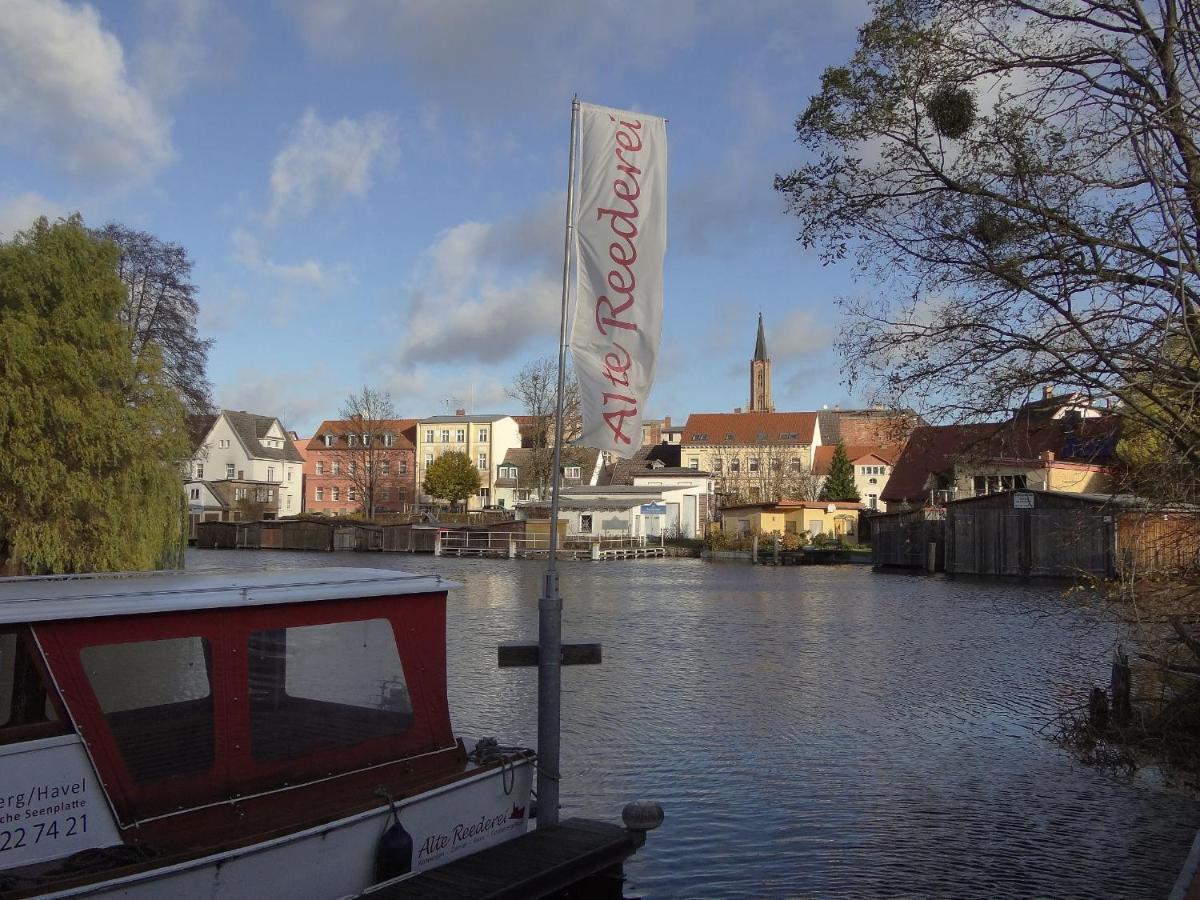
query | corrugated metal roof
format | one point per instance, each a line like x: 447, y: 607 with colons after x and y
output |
x: 55, y: 598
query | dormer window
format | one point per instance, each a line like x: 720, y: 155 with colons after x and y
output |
x: 351, y: 440
x: 388, y: 439
x: 329, y: 440
x: 366, y: 439
x: 729, y: 435
x: 762, y: 436
x: 571, y: 472
x: 700, y: 436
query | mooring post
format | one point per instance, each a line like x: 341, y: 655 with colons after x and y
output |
x: 437, y: 543
x: 776, y: 549
x: 754, y: 551
x: 512, y: 547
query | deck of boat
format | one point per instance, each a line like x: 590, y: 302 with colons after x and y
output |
x: 581, y: 855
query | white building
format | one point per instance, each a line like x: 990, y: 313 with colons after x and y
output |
x: 486, y: 439
x: 243, y: 459
x: 659, y: 503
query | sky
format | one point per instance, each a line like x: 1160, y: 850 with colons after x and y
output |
x: 373, y: 193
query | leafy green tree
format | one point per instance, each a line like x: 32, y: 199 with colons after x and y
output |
x: 89, y: 463
x: 839, y: 483
x: 452, y: 476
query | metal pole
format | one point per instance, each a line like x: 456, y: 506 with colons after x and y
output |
x: 550, y: 604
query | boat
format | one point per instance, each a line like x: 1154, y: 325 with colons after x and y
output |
x: 249, y: 735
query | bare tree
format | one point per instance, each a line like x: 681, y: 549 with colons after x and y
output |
x: 1024, y: 177
x: 365, y: 448
x: 536, y: 389
x: 160, y: 312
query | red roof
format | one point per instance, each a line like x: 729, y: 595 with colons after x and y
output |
x: 404, y: 429
x: 933, y: 449
x: 823, y: 456
x: 749, y: 428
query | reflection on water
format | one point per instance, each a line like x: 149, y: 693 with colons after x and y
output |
x: 815, y: 731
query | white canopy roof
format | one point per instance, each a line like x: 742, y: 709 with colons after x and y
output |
x: 56, y: 597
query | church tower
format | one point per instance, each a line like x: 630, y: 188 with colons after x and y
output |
x: 760, y: 375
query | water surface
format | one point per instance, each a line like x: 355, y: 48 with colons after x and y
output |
x: 815, y: 731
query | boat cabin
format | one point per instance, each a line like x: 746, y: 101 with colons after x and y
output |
x: 152, y: 719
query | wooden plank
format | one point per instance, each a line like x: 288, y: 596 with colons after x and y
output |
x: 527, y: 655
x: 534, y: 865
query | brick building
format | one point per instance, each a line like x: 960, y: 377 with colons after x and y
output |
x: 339, y: 456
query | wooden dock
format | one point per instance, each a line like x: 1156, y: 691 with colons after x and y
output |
x: 577, y: 858
x: 563, y: 553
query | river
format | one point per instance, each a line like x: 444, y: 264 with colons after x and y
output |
x: 815, y: 731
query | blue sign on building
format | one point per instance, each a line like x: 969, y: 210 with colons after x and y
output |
x: 654, y: 509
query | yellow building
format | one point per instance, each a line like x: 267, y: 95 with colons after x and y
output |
x: 485, y: 439
x: 792, y: 517
x: 752, y: 456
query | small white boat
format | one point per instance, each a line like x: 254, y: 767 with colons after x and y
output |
x: 278, y: 734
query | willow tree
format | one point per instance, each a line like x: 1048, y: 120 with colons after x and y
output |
x: 1022, y: 179
x: 89, y: 461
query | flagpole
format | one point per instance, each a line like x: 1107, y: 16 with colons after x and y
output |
x: 550, y: 604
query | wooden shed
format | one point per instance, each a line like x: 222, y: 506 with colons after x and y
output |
x: 1032, y: 533
x: 410, y: 537
x: 902, y: 539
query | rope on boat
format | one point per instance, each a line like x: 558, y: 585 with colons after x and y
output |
x: 488, y: 750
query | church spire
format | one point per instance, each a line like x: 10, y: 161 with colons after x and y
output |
x: 760, y: 346
x: 760, y: 374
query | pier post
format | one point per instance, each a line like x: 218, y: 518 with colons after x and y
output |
x: 595, y: 549
x: 754, y: 551
x: 437, y: 543
x: 512, y: 547
x: 931, y: 556
x: 776, y: 549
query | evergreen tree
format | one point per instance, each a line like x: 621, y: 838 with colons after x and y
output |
x: 452, y: 476
x: 92, y: 442
x: 839, y: 483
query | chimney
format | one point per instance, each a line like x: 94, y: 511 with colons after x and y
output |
x: 1047, y: 456
x: 666, y: 422
x: 460, y: 412
x: 737, y: 409
x: 1047, y: 392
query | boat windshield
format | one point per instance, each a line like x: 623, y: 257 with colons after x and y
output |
x: 318, y: 687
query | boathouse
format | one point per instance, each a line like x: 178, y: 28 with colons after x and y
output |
x: 1063, y: 535
x: 904, y: 539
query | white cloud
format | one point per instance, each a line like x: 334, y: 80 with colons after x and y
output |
x: 484, y: 291
x: 322, y: 163
x: 801, y: 335
x: 19, y: 212
x: 65, y: 94
x: 187, y: 42
x: 248, y: 251
x: 300, y: 398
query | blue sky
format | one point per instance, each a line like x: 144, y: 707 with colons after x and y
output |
x: 373, y: 192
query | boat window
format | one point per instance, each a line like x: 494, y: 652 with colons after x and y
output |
x: 157, y: 699
x: 321, y: 687
x: 24, y: 699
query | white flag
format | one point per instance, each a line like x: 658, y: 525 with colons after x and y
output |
x: 621, y: 227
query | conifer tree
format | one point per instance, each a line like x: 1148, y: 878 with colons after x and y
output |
x: 92, y: 442
x: 839, y: 483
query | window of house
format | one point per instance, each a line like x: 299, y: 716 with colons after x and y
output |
x: 523, y: 494
x: 385, y: 467
x: 351, y: 494
x: 428, y: 459
x: 762, y: 436
x: 483, y: 463
x: 320, y: 494
x: 729, y: 436
x: 228, y: 470
x: 297, y: 709
x: 351, y: 440
x: 336, y: 467
x: 735, y: 465
x: 329, y: 440
x: 693, y: 462
x: 366, y: 439
x: 199, y: 470
x: 161, y: 721
x: 872, y: 481
x: 290, y: 472
x: 718, y: 465
x: 195, y: 493
x: 445, y: 435
x: 585, y: 524
x: 289, y: 501
x: 483, y: 434
x: 402, y: 467
x: 872, y: 501
x: 743, y: 527
x: 754, y: 464
x: 336, y: 494
x: 700, y: 436
x: 388, y: 439
x: 320, y: 467
x: 484, y: 494
x: 429, y: 436
x: 460, y: 436
x: 352, y: 467
x: 789, y: 527
x: 571, y: 472
x: 270, y: 473
x: 385, y: 495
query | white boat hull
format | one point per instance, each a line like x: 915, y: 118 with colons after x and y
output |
x: 338, y: 859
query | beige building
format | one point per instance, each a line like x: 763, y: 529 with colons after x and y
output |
x: 486, y: 439
x: 792, y: 517
x: 752, y: 456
